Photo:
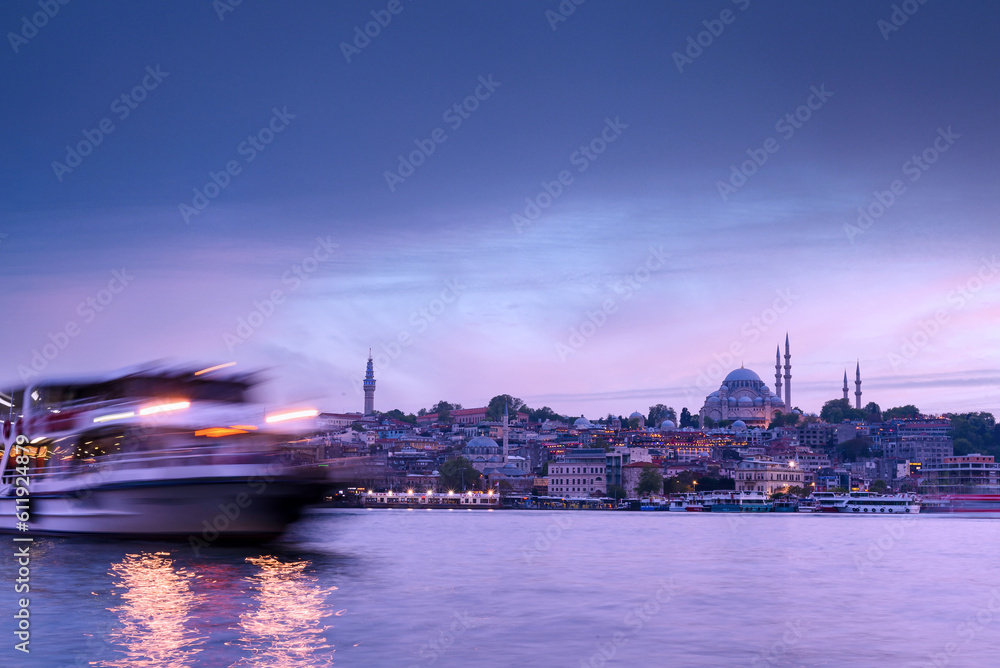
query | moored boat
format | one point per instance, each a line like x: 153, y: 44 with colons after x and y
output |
x: 880, y: 504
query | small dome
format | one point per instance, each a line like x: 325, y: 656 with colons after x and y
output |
x: 667, y: 425
x: 637, y: 414
x: 733, y: 401
x: 582, y: 423
x: 758, y: 401
x: 741, y: 374
x: 713, y: 401
x: 714, y: 394
x: 745, y: 401
x: 739, y: 425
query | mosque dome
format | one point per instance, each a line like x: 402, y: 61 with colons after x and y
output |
x: 582, y: 423
x: 745, y: 401
x: 739, y: 425
x: 636, y: 414
x: 667, y: 425
x: 741, y: 374
x: 482, y: 445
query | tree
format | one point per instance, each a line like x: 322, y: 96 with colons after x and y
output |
x: 659, y: 413
x: 849, y: 451
x: 795, y: 490
x: 975, y: 432
x: 616, y: 492
x: 633, y: 423
x: 459, y: 474
x: 836, y: 411
x: 879, y: 487
x: 710, y: 423
x: 874, y: 412
x: 445, y: 406
x: 494, y: 410
x: 545, y: 413
x: 397, y: 414
x: 909, y: 412
x: 650, y: 481
x: 687, y: 420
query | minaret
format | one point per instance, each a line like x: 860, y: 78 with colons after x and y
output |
x: 857, y: 386
x: 369, y: 386
x: 788, y: 376
x: 505, y: 429
x: 846, y: 398
x: 777, y: 373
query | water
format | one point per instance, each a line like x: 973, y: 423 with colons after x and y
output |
x: 527, y: 588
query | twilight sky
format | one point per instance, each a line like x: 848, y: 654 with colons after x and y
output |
x: 691, y: 200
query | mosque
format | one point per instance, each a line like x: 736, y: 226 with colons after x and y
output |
x: 747, y: 400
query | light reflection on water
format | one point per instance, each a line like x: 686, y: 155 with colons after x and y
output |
x: 284, y: 627
x: 154, y: 615
x: 164, y: 613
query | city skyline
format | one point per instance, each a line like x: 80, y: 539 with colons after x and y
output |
x: 591, y: 221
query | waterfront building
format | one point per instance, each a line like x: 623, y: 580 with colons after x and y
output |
x: 923, y: 442
x: 631, y: 473
x: 969, y: 474
x: 579, y: 473
x: 762, y: 474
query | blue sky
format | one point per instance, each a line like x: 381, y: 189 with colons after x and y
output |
x: 640, y: 241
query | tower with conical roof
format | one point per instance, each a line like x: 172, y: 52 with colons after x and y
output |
x: 857, y: 386
x: 788, y: 376
x: 846, y: 398
x: 369, y: 386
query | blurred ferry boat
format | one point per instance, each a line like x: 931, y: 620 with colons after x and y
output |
x: 725, y: 501
x: 152, y: 454
x: 829, y: 502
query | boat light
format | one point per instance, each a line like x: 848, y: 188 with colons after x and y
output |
x: 293, y: 415
x: 114, y: 416
x: 216, y: 432
x: 214, y: 368
x: 163, y: 408
x: 245, y: 427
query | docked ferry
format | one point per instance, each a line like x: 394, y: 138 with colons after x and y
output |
x: 723, y: 501
x: 880, y: 504
x: 153, y: 454
x: 828, y: 502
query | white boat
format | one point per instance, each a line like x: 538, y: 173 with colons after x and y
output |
x: 169, y: 455
x: 828, y: 502
x: 872, y: 503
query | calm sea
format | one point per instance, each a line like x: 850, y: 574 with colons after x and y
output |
x: 526, y: 588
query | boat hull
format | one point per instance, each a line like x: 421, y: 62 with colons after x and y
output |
x: 209, y: 510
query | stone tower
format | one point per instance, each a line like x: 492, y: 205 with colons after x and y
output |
x: 369, y: 386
